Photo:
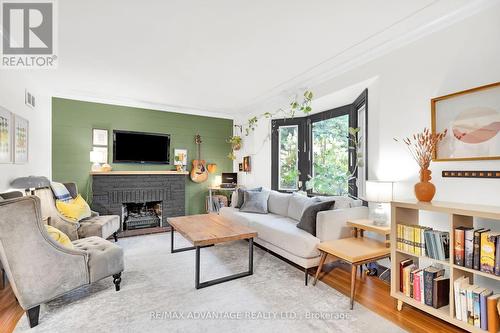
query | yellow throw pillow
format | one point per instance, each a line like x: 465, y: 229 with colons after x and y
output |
x: 59, y: 236
x: 75, y: 209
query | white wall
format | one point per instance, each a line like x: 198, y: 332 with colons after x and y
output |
x: 462, y: 56
x: 12, y: 86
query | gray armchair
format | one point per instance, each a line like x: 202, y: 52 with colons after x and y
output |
x: 40, y: 269
x: 102, y: 226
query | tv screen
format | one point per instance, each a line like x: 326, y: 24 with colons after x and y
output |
x: 137, y: 147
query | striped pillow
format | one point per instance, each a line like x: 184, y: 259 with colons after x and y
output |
x: 60, y: 191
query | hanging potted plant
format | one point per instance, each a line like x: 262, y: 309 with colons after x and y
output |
x: 422, y: 147
x: 235, y: 142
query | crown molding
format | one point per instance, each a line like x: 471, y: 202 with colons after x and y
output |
x: 135, y: 103
x: 359, y: 55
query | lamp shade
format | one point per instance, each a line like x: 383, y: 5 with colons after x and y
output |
x: 97, y: 157
x: 30, y: 182
x: 379, y: 191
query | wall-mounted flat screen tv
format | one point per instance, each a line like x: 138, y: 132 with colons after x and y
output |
x: 139, y: 147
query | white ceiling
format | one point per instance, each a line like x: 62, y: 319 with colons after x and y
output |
x: 219, y: 55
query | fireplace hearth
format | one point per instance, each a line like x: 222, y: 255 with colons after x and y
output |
x: 141, y: 215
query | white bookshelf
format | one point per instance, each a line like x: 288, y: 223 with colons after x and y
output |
x: 407, y: 212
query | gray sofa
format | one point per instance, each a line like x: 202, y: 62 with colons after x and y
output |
x: 103, y: 226
x: 40, y: 269
x: 278, y: 232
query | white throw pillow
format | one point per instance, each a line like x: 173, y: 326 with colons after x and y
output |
x: 278, y: 203
x: 298, y: 203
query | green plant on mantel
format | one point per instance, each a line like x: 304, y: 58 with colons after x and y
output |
x: 296, y: 106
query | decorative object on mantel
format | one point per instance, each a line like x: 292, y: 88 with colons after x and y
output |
x: 30, y: 184
x: 180, y: 159
x: 470, y: 174
x: 379, y: 193
x: 246, y: 164
x: 6, y: 120
x: 106, y: 167
x: 212, y: 167
x: 473, y: 117
x: 199, y: 173
x: 422, y: 147
x: 96, y: 157
x: 21, y: 140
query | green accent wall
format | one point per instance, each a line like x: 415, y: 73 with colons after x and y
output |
x: 73, y: 121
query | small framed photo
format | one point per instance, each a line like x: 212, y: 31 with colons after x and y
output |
x: 21, y: 137
x: 246, y: 164
x: 103, y: 151
x: 180, y: 157
x: 240, y: 166
x: 100, y: 137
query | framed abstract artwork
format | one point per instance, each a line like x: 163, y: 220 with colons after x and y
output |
x: 472, y: 118
x: 6, y: 126
x: 100, y: 137
x: 246, y: 164
x: 21, y: 137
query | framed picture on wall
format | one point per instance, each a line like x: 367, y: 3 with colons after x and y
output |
x: 99, y: 137
x: 246, y: 164
x: 21, y: 140
x: 180, y: 157
x: 6, y: 121
x: 472, y: 118
x: 240, y: 166
x: 103, y: 151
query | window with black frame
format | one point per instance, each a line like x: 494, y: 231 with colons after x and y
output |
x: 316, y: 153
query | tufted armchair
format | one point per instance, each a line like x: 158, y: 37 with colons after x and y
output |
x: 40, y: 269
x: 103, y: 226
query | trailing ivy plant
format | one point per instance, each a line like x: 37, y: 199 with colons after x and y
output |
x: 304, y: 106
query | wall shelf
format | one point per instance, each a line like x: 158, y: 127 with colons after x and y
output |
x: 407, y: 212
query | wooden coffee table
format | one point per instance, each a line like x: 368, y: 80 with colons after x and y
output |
x: 207, y: 230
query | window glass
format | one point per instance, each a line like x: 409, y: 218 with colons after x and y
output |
x: 288, y: 158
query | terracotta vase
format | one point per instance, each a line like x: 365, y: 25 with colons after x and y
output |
x: 425, y: 190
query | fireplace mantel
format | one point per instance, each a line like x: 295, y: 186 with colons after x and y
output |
x: 165, y: 172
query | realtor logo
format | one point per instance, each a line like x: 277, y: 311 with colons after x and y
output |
x: 28, y: 34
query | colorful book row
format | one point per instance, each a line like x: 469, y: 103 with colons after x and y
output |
x: 428, y: 286
x: 477, y: 249
x: 475, y: 305
x: 423, y: 241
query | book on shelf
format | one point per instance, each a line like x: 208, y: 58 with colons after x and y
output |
x: 418, y: 285
x: 497, y: 258
x: 458, y: 286
x: 477, y: 247
x: 475, y: 305
x: 459, y: 246
x: 441, y: 292
x: 402, y: 265
x: 469, y: 247
x: 492, y: 313
x: 484, y: 308
x: 406, y: 278
x: 430, y: 273
x: 488, y: 247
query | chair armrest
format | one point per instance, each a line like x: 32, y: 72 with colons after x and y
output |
x: 94, y: 213
x: 331, y: 224
x: 67, y: 226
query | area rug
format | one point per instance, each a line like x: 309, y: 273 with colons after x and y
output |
x: 158, y: 295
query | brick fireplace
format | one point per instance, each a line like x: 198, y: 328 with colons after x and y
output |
x: 143, y: 199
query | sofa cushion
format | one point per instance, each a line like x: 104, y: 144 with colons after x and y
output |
x: 278, y: 230
x: 241, y: 195
x: 308, y: 219
x: 278, y: 203
x: 75, y: 209
x: 101, y: 226
x: 59, y: 236
x: 255, y: 202
x: 105, y: 258
x: 298, y: 203
x: 60, y: 191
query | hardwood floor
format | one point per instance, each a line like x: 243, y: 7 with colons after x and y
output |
x: 370, y: 292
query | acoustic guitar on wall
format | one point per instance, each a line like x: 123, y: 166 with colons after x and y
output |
x: 199, y: 172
